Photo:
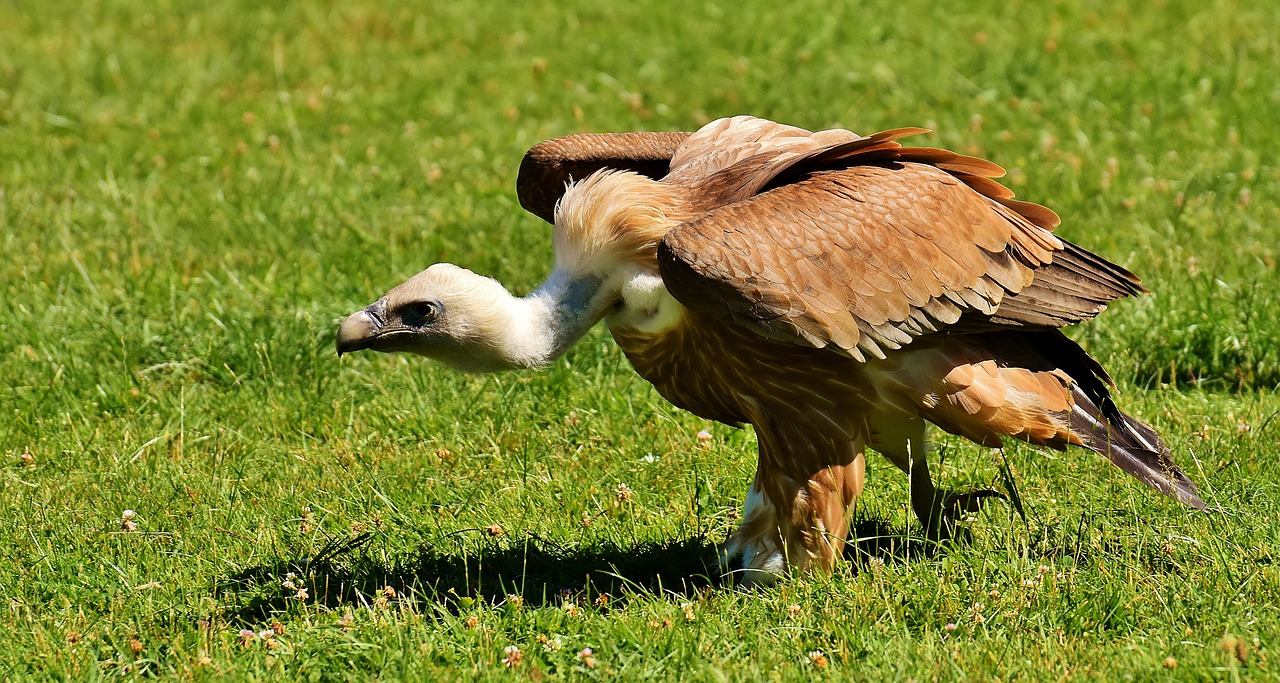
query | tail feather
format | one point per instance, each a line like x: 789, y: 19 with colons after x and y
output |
x: 1125, y: 440
x: 1130, y: 445
x: 1039, y: 386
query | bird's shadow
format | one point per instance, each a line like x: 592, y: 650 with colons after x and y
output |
x: 462, y: 570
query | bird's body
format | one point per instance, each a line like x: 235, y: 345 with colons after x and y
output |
x: 832, y: 290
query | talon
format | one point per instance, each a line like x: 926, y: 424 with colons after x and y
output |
x: 969, y: 502
x: 947, y: 507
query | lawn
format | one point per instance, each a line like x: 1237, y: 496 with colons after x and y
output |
x: 192, y: 195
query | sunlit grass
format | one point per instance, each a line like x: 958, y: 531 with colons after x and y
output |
x: 191, y: 195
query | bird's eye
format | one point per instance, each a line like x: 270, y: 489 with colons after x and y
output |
x: 426, y: 311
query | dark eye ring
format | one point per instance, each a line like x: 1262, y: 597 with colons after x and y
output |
x: 426, y: 310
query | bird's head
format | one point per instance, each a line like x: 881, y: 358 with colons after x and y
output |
x: 446, y: 313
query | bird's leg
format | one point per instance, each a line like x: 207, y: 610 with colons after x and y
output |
x: 903, y: 443
x: 792, y: 521
x: 832, y: 492
x: 756, y: 553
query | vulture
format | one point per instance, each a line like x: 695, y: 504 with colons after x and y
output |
x: 835, y: 291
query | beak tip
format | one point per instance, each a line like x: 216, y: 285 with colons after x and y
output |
x: 355, y: 333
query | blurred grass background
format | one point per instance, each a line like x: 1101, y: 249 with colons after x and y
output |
x: 192, y: 194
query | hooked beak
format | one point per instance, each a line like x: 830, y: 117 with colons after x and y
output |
x: 360, y: 329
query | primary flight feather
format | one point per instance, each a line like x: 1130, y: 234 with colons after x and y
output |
x: 834, y: 291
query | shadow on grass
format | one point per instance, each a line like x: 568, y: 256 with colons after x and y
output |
x: 541, y: 571
x: 875, y: 540
x: 456, y: 573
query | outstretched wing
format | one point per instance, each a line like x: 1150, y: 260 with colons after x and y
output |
x: 681, y: 158
x: 866, y: 245
x: 728, y: 142
x: 551, y: 165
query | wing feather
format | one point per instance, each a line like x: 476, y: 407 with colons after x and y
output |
x: 830, y: 238
x: 865, y: 246
x: 549, y: 166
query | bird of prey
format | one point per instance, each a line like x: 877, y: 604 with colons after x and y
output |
x: 834, y: 291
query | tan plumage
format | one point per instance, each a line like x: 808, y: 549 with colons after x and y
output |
x: 835, y: 291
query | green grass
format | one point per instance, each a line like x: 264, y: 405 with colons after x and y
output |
x: 192, y: 194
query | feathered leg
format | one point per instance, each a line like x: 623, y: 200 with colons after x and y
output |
x: 799, y: 507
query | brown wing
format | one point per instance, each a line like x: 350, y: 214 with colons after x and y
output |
x: 726, y: 142
x: 682, y: 158
x: 550, y: 165
x: 868, y: 257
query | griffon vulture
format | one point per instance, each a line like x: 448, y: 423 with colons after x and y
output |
x: 835, y: 291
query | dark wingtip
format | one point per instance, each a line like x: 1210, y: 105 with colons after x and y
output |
x: 1149, y: 467
x: 1130, y: 445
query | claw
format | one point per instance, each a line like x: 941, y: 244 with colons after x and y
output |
x: 955, y: 503
x: 948, y: 507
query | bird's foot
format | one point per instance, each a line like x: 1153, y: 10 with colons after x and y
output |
x: 948, y: 508
x: 752, y: 562
x: 957, y: 503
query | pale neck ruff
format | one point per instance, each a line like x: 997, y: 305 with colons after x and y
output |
x: 645, y: 305
x: 543, y: 325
